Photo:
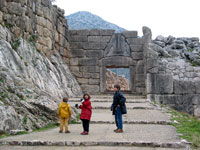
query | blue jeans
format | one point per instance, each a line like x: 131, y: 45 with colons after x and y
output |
x: 118, y: 118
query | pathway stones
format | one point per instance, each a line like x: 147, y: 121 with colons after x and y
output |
x: 145, y: 128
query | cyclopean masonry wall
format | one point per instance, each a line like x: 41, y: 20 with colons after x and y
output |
x: 38, y: 22
x: 171, y: 81
x: 92, y: 51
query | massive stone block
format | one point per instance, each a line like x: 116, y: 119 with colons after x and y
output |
x: 94, y: 53
x: 88, y: 61
x: 77, y: 53
x: 89, y: 69
x: 130, y: 34
x: 159, y: 84
x: 184, y: 87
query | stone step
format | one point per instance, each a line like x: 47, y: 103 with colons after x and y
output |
x: 102, y: 135
x: 139, y: 116
x: 110, y: 100
x: 106, y: 105
x: 110, y: 96
x: 85, y: 148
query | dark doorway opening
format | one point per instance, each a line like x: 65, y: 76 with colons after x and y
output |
x: 119, y: 76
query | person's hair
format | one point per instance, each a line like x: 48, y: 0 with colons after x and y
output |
x: 117, y: 86
x: 87, y: 95
x: 65, y: 99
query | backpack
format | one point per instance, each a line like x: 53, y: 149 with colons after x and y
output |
x: 122, y: 104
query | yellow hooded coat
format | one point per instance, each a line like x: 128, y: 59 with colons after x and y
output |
x: 64, y: 110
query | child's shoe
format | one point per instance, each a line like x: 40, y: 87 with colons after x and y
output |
x: 67, y: 131
x: 60, y: 131
x: 84, y: 133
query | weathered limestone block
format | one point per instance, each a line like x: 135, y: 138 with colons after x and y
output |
x: 159, y: 84
x: 76, y: 45
x: 82, y: 80
x: 197, y: 86
x: 47, y: 13
x: 140, y: 68
x: 47, y: 33
x: 77, y: 53
x: 41, y: 40
x: 139, y: 78
x: 196, y: 99
x: 151, y: 53
x: 94, y: 81
x: 89, y: 61
x: 107, y: 32
x: 120, y: 61
x: 197, y: 110
x: 46, y: 3
x: 41, y: 21
x: 130, y: 34
x: 73, y: 32
x: 60, y: 27
x: 137, y: 55
x: 136, y: 41
x: 91, y: 75
x: 49, y: 25
x: 90, y: 88
x: 78, y: 38
x: 39, y: 10
x: 94, y: 32
x: 105, y: 39
x: 1, y: 17
x: 15, y: 8
x: 152, y: 63
x: 94, y: 53
x: 184, y: 87
x: 89, y: 69
x: 49, y: 42
x: 83, y: 32
x: 74, y: 61
x: 94, y: 38
x: 136, y: 48
x: 93, y: 46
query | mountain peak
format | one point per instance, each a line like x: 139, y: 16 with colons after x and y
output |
x: 86, y: 20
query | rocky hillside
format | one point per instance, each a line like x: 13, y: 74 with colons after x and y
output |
x: 112, y: 78
x: 31, y: 85
x: 87, y: 20
x: 183, y: 48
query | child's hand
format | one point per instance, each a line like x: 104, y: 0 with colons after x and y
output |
x: 82, y: 100
x: 77, y: 105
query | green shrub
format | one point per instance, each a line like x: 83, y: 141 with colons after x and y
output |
x: 15, y: 44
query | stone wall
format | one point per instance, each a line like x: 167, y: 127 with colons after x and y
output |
x: 38, y: 22
x: 92, y: 51
x: 171, y: 81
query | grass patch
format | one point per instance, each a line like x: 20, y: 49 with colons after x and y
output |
x: 47, y: 127
x: 3, y: 135
x: 188, y: 126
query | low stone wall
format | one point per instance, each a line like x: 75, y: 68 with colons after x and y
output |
x: 38, y: 22
x: 172, y: 81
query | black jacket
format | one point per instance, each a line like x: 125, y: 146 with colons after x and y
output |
x: 118, y: 99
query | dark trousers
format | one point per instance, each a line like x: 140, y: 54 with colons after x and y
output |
x: 85, y: 123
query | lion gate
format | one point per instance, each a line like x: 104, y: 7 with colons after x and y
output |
x: 93, y: 51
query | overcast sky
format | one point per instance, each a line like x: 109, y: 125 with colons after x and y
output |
x: 179, y: 18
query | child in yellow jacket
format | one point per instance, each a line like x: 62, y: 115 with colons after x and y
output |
x: 64, y: 112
